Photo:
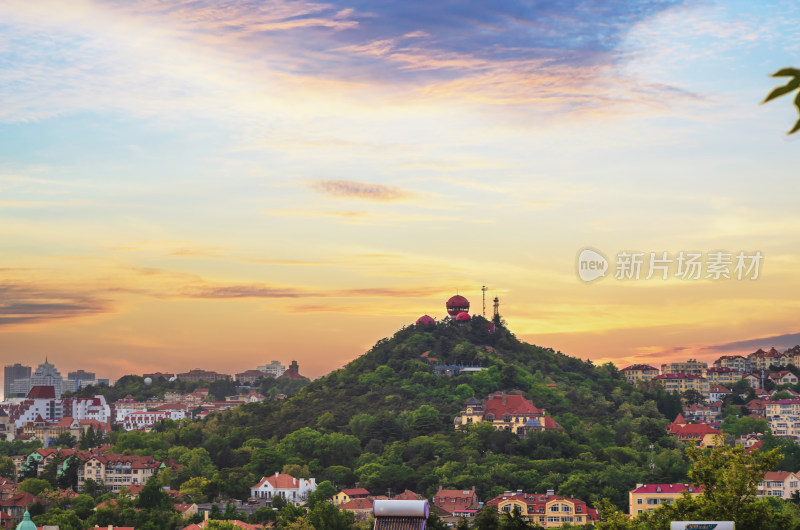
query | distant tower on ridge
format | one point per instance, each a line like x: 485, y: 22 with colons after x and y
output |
x: 496, y: 307
x: 484, y: 289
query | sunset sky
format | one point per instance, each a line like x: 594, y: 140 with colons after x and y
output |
x: 219, y: 184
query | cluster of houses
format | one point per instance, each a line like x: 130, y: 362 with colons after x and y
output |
x: 43, y: 416
x: 545, y: 509
x: 756, y: 368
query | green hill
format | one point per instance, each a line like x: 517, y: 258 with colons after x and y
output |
x: 386, y: 421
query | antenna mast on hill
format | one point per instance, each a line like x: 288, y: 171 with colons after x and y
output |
x: 484, y: 289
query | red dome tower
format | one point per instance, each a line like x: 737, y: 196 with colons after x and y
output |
x: 462, y: 318
x: 425, y: 320
x: 457, y: 304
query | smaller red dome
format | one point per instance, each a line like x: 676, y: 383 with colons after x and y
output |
x: 462, y: 317
x: 425, y: 320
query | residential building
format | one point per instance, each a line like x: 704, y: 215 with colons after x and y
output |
x: 723, y: 375
x: 348, y: 495
x: 248, y: 377
x: 40, y: 403
x: 450, y: 500
x: 639, y: 372
x: 11, y: 374
x: 546, y: 510
x: 79, y: 379
x: 757, y: 407
x: 508, y: 412
x: 692, y: 367
x: 292, y: 489
x: 783, y: 416
x: 738, y: 363
x: 275, y: 368
x: 648, y: 497
x: 710, y: 414
x: 783, y: 377
x: 681, y: 382
x: 44, y: 375
x: 119, y: 471
x: 196, y: 374
x: 763, y: 360
x: 781, y: 484
x: 753, y: 379
x: 361, y: 508
x: 696, y: 433
x: 718, y: 392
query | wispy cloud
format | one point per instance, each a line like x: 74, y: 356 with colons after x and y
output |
x: 786, y: 340
x: 27, y: 303
x: 360, y: 190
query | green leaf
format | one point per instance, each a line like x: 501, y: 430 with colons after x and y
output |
x: 783, y: 90
x: 787, y: 72
x: 795, y: 128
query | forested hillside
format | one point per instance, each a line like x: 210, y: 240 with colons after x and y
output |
x: 385, y: 421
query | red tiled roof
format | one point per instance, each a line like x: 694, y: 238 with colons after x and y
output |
x: 354, y: 492
x: 678, y: 376
x: 42, y: 392
x: 667, y: 488
x: 407, y: 495
x: 510, y: 404
x: 777, y: 475
x: 280, y: 481
x: 20, y: 499
x: 361, y: 503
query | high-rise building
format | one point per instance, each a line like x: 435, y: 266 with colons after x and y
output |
x: 275, y: 368
x: 11, y: 374
x: 79, y: 379
x: 47, y: 375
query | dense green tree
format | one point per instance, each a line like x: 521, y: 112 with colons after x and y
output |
x: 326, y: 516
x: 7, y: 468
x: 34, y: 486
x: 152, y: 497
x: 323, y: 493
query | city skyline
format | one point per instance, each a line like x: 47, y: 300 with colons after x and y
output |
x: 186, y: 184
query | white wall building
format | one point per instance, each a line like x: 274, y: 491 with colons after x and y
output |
x: 292, y: 489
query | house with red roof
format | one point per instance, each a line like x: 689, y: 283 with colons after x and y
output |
x: 292, y: 489
x: 548, y: 510
x: 347, y: 495
x: 509, y: 412
x: 648, y: 497
x: 118, y: 471
x: 452, y: 500
x: 783, y: 377
x: 699, y: 434
x: 361, y: 508
x: 781, y: 484
x: 16, y: 505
